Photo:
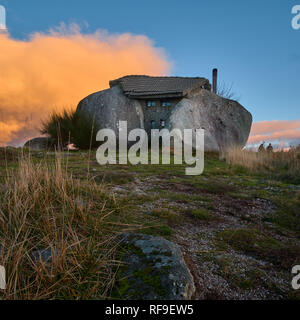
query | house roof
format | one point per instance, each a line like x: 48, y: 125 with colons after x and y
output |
x: 141, y: 87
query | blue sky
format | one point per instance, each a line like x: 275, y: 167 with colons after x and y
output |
x: 251, y: 43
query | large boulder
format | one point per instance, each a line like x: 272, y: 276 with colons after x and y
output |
x: 153, y: 269
x: 226, y: 122
x: 40, y: 143
x: 111, y: 106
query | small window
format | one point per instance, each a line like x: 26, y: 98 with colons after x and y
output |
x: 162, y: 123
x: 166, y: 103
x: 152, y: 124
x: 150, y: 103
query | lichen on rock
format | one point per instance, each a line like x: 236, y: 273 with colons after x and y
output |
x: 153, y: 268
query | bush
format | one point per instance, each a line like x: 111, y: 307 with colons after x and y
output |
x: 71, y: 126
x: 226, y: 91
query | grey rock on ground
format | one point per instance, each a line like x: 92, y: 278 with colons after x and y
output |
x: 154, y: 268
x: 40, y: 143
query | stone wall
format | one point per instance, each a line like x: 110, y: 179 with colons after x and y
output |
x: 157, y: 113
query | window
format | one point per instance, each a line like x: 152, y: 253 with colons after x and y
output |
x: 162, y: 123
x: 152, y: 124
x: 166, y: 104
x: 150, y: 103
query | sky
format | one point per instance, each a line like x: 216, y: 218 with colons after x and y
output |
x: 252, y: 44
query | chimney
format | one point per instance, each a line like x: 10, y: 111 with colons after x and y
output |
x: 215, y: 80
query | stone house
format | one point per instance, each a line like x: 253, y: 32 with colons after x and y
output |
x: 170, y: 102
x: 158, y: 95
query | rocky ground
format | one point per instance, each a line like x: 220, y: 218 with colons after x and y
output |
x: 238, y: 231
x: 222, y: 270
x: 231, y: 230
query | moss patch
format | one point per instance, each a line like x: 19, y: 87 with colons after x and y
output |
x: 251, y: 241
x: 169, y: 215
x: 201, y: 214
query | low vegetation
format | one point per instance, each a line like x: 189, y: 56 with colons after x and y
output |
x: 44, y: 211
x: 238, y: 223
x: 285, y: 165
x: 254, y: 242
x: 201, y: 214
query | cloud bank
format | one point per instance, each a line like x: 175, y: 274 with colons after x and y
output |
x: 283, y: 133
x: 57, y: 69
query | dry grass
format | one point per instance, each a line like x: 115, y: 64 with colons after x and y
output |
x: 8, y: 154
x: 288, y: 162
x: 44, y: 208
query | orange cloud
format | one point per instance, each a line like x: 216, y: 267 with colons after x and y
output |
x: 282, y: 131
x: 57, y: 69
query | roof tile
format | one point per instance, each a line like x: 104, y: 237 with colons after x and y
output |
x: 137, y: 86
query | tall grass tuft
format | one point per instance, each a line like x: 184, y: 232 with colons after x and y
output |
x: 71, y: 126
x: 282, y: 164
x: 43, y: 209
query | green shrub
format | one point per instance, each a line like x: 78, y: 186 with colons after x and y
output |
x: 71, y: 126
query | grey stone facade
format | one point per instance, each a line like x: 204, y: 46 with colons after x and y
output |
x: 156, y: 117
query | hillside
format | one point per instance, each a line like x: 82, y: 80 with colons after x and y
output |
x: 238, y: 229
